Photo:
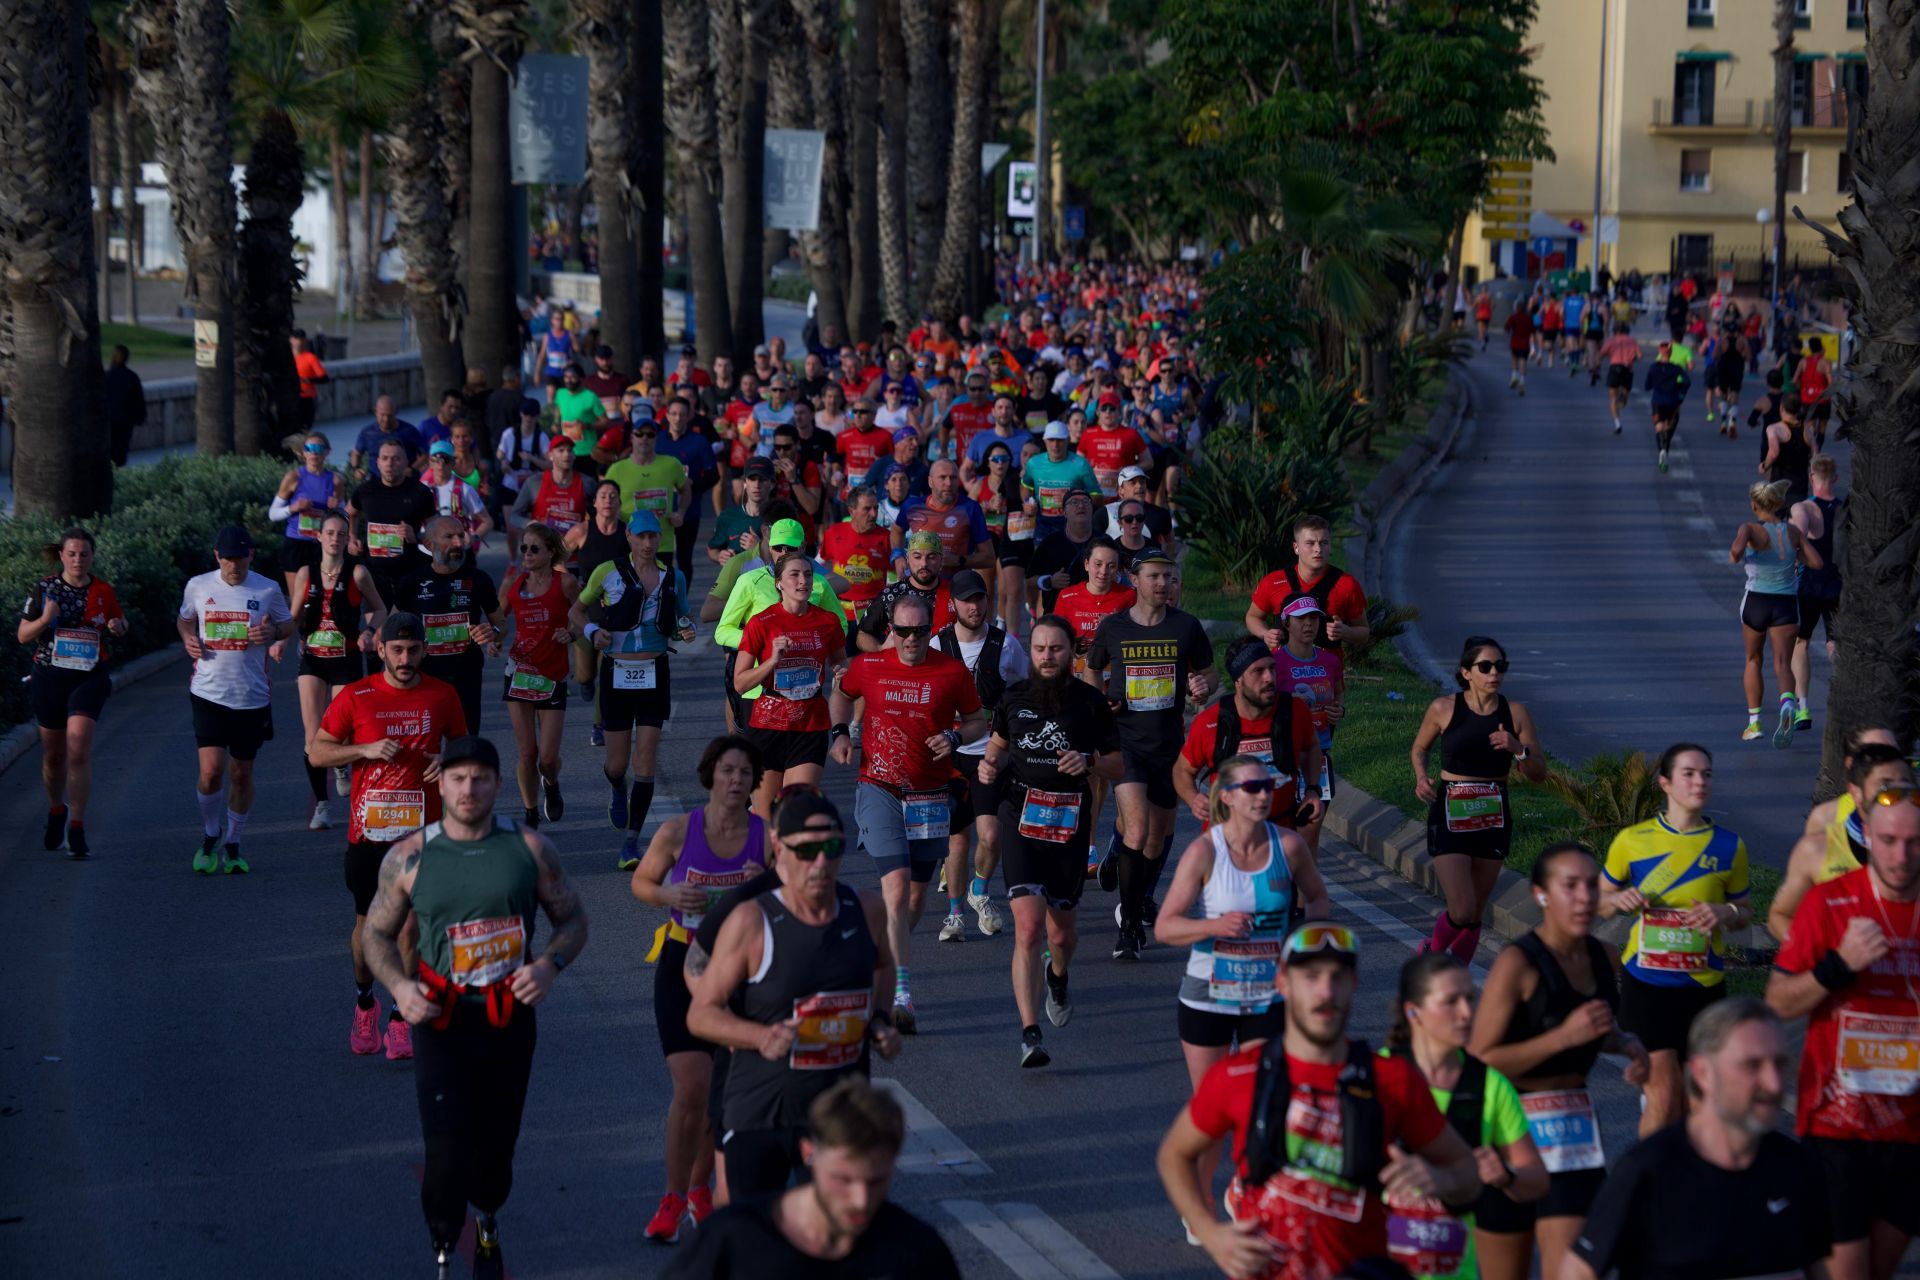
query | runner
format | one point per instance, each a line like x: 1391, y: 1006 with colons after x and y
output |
x: 1469, y: 824
x: 921, y: 578
x: 306, y: 493
x: 969, y: 417
x: 1482, y: 314
x: 386, y: 425
x: 1816, y: 385
x: 457, y: 602
x: 1685, y: 882
x: 230, y: 621
x: 1835, y: 841
x: 1819, y: 589
x: 63, y: 619
x: 693, y: 448
x: 1152, y: 658
x: 790, y: 653
x: 692, y: 861
x: 735, y: 529
x: 1316, y: 677
x: 840, y: 1224
x: 389, y: 513
x: 1520, y: 339
x: 1847, y: 966
x: 1621, y: 351
x: 858, y: 551
x: 1047, y: 479
x: 539, y: 599
x: 1051, y: 734
x: 1059, y: 559
x: 1756, y: 1198
x: 453, y: 496
x: 1728, y: 371
x: 653, y: 482
x: 798, y: 986
x: 920, y: 706
x: 1667, y: 384
x: 519, y: 452
x: 955, y: 519
x: 1110, y: 446
x: 1546, y: 1016
x: 1772, y: 551
x: 560, y: 498
x: 1432, y: 1019
x: 632, y: 611
x: 390, y: 728
x: 1320, y: 1126
x: 1788, y: 454
x: 472, y: 882
x: 333, y: 592
x: 1085, y: 605
x: 863, y: 448
x: 1551, y: 315
x: 1337, y: 592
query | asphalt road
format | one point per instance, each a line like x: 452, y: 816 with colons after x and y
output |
x: 177, y: 1096
x: 1607, y: 582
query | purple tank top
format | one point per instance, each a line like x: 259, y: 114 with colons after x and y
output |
x: 700, y: 867
x: 315, y: 489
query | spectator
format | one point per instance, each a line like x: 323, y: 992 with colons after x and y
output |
x: 126, y: 403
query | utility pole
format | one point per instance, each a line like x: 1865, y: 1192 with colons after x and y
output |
x: 1043, y: 182
x: 1599, y: 150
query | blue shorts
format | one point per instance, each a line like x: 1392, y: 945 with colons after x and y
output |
x: 881, y: 817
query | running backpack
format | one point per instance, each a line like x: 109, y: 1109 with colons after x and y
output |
x: 1363, y: 1122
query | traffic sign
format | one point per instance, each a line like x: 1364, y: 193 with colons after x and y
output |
x: 1073, y: 219
x: 1542, y: 246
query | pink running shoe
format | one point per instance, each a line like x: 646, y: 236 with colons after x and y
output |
x: 365, y: 1037
x: 665, y: 1226
x: 399, y: 1040
x: 700, y: 1201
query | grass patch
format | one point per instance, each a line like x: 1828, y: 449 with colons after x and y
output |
x: 143, y: 343
x: 1363, y: 468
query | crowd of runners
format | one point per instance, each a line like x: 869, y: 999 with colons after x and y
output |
x: 948, y: 564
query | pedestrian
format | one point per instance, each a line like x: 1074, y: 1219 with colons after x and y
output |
x: 1772, y: 551
x: 311, y: 373
x: 126, y: 400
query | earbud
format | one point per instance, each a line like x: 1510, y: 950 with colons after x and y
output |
x: 1540, y: 898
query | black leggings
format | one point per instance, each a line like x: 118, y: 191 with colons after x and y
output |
x: 686, y: 539
x: 471, y: 1082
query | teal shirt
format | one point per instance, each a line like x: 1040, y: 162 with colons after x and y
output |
x: 1049, y: 482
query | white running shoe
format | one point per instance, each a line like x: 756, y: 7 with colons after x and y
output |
x: 954, y: 928
x: 322, y: 818
x: 991, y: 921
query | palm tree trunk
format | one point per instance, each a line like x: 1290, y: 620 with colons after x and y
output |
x: 895, y: 272
x: 825, y: 248
x: 367, y: 260
x: 51, y: 372
x: 1782, y: 130
x: 979, y: 31
x: 921, y: 24
x: 103, y: 185
x: 130, y: 199
x: 744, y: 168
x: 650, y: 175
x: 789, y: 106
x: 863, y: 221
x: 342, y: 227
x: 693, y: 123
x: 492, y: 339
x: 267, y: 390
x: 416, y: 161
x: 604, y: 34
x: 204, y: 211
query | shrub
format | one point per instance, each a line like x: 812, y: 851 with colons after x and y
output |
x: 1240, y: 498
x: 1385, y: 621
x: 1611, y: 791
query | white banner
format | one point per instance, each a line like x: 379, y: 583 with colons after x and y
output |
x: 791, y: 190
x: 1023, y: 189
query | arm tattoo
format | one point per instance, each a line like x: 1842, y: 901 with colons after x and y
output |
x: 387, y: 916
x: 696, y: 962
x: 560, y: 901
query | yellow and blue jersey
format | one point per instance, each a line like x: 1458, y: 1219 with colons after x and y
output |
x: 1675, y: 870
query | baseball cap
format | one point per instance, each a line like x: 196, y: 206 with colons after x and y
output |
x: 401, y: 625
x: 905, y: 433
x: 469, y: 750
x: 923, y: 540
x: 643, y: 521
x: 762, y: 350
x: 531, y: 406
x: 1056, y: 431
x: 689, y: 350
x: 1131, y: 473
x: 968, y: 585
x: 613, y: 439
x: 1108, y: 400
x: 1299, y: 605
x: 762, y: 467
x: 1150, y: 555
x: 786, y: 533
x: 442, y: 447
x: 603, y: 352
x: 796, y: 811
x: 233, y: 543
x: 559, y: 442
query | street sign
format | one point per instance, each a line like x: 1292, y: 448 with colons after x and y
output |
x: 1023, y: 189
x: 1022, y: 228
x: 991, y: 154
x: 1073, y: 219
x: 791, y: 187
x: 1610, y: 229
x: 547, y: 119
x: 1542, y: 246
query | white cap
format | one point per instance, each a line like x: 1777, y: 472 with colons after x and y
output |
x: 1131, y: 473
x: 1056, y: 431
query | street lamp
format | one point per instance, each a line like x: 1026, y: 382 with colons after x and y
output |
x: 1763, y: 216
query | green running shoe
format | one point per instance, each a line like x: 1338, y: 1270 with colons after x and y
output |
x: 206, y: 860
x: 236, y: 865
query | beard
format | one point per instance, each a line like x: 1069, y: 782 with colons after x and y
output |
x: 1050, y: 691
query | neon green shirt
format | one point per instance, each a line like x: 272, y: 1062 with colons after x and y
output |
x: 655, y: 487
x: 1502, y: 1122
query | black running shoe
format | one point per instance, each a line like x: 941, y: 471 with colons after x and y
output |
x: 488, y: 1264
x: 1032, y: 1052
x: 556, y: 807
x: 1109, y: 877
x: 77, y: 843
x: 1126, y: 943
x: 56, y: 833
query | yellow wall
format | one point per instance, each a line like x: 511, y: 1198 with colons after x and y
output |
x: 1642, y: 163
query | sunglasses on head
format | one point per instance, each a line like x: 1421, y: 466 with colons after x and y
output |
x: 1487, y: 667
x: 913, y: 632
x: 809, y: 850
x: 1890, y: 796
x: 1320, y: 939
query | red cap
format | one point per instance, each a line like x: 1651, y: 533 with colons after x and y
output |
x: 1108, y: 400
x: 613, y: 439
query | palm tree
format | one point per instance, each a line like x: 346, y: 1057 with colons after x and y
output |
x: 863, y: 218
x: 50, y: 367
x: 650, y: 177
x: 789, y: 104
x: 891, y: 173
x: 826, y: 249
x: 692, y: 124
x: 491, y: 32
x: 979, y: 22
x: 740, y: 49
x: 922, y: 23
x: 1782, y: 126
x: 266, y: 385
x: 604, y: 33
x: 418, y: 150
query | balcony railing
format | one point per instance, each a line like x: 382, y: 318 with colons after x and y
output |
x: 1728, y: 114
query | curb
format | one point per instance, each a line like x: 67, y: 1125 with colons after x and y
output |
x: 21, y: 739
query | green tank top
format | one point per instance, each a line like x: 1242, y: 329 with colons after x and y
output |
x: 472, y: 478
x: 476, y: 901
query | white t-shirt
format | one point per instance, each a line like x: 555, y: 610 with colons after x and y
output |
x: 234, y: 672
x: 1014, y: 666
x: 892, y: 419
x: 512, y: 474
x: 471, y: 506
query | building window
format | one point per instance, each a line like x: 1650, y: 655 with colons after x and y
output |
x: 1692, y: 254
x: 1797, y: 171
x: 1693, y: 93
x: 1802, y: 14
x: 1699, y: 13
x: 1696, y: 170
x: 1845, y: 184
x: 1856, y: 14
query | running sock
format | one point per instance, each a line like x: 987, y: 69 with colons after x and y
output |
x: 899, y: 979
x: 639, y: 800
x: 1056, y: 982
x: 363, y: 995
x: 211, y: 807
x: 1132, y: 873
x: 55, y: 810
x: 236, y: 826
x: 1444, y: 933
x: 393, y: 1014
x: 1159, y: 865
x: 953, y: 905
x: 979, y: 887
x: 316, y: 779
x: 1753, y: 715
x: 1465, y: 943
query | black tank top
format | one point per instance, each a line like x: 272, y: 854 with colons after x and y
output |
x: 1790, y: 463
x: 341, y: 606
x: 599, y: 548
x: 1823, y: 582
x: 1464, y: 748
x: 1554, y: 998
x: 822, y: 975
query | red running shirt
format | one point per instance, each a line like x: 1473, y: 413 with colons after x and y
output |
x: 794, y: 695
x: 391, y: 798
x: 905, y: 706
x: 1256, y: 739
x: 861, y: 558
x: 1347, y: 600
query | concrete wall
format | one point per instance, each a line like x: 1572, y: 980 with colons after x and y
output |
x: 350, y: 392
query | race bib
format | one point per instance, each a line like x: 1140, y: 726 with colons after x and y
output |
x: 386, y: 816
x: 1666, y: 942
x: 797, y: 679
x: 1052, y: 499
x: 1564, y: 1128
x: 633, y: 675
x: 77, y: 648
x: 1879, y: 1054
x: 926, y: 815
x: 856, y: 570
x: 309, y: 523
x: 1245, y: 973
x: 1475, y: 806
x: 482, y: 952
x: 1150, y: 688
x: 385, y: 541
x: 1019, y: 526
x: 1052, y: 816
x: 224, y: 630
x: 1344, y: 1203
x: 327, y: 642
x: 448, y: 633
x: 529, y: 686
x: 653, y: 499
x: 715, y: 886
x: 1424, y: 1238
x: 832, y: 1031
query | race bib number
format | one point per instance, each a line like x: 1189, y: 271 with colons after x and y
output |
x: 1879, y: 1054
x: 653, y: 499
x: 1019, y: 526
x: 482, y: 952
x: 832, y: 1031
x: 1666, y: 942
x: 529, y: 686
x: 327, y: 642
x: 1150, y: 688
x: 1052, y: 499
x: 309, y: 523
x: 225, y: 631
x: 1245, y: 973
x: 76, y: 648
x: 1424, y: 1238
x: 1475, y: 806
x: 1052, y: 816
x: 797, y: 679
x: 1564, y: 1128
x: 926, y: 815
x: 633, y: 675
x: 386, y: 816
x: 448, y: 633
x: 384, y: 541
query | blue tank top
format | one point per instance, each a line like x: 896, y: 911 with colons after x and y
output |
x: 1772, y: 572
x: 559, y: 349
x: 316, y: 489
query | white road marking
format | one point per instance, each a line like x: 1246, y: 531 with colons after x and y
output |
x: 1700, y: 524
x: 1028, y: 1242
x: 931, y: 1147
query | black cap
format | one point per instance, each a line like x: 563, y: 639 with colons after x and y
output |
x: 968, y: 585
x: 469, y: 750
x: 1151, y: 555
x: 689, y: 350
x: 603, y: 352
x: 762, y: 467
x: 530, y: 405
x: 796, y: 811
x: 233, y: 543
x: 401, y: 625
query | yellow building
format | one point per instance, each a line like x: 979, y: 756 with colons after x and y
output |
x: 1683, y: 132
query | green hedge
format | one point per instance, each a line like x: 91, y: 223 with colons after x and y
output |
x: 161, y: 533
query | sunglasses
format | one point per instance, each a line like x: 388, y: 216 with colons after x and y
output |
x: 315, y: 448
x: 1320, y: 939
x: 912, y: 633
x: 1252, y: 786
x: 1890, y: 796
x: 1132, y: 519
x: 529, y: 548
x: 1000, y: 458
x: 808, y: 850
x: 863, y: 413
x: 783, y: 448
x: 1484, y: 667
x: 646, y: 435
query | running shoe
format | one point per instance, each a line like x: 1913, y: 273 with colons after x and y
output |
x: 598, y: 738
x: 365, y: 1036
x: 1126, y: 947
x: 905, y: 1021
x: 617, y: 806
x: 1149, y: 913
x: 399, y: 1040
x: 550, y: 792
x: 1109, y: 875
x: 1783, y: 732
x: 629, y: 852
x: 488, y: 1264
x: 56, y: 833
x: 664, y: 1226
x: 207, y: 860
x: 1032, y: 1052
x: 343, y: 781
x: 1191, y: 1238
x: 236, y: 865
x: 77, y: 849
x: 991, y: 920
x: 1663, y: 462
x: 954, y: 928
x: 700, y: 1204
x: 1059, y: 1003
x: 942, y: 886
x: 322, y: 817
x: 443, y: 1260
x: 1752, y: 731
x: 1802, y: 721
x: 1616, y: 426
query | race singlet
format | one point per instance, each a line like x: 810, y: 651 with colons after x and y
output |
x: 833, y: 1027
x: 1879, y: 1054
x: 384, y: 541
x: 926, y: 815
x: 483, y: 952
x: 225, y: 630
x: 1667, y: 942
x: 387, y: 816
x: 76, y: 648
x: 1564, y: 1128
x: 1474, y: 806
x: 1052, y: 816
